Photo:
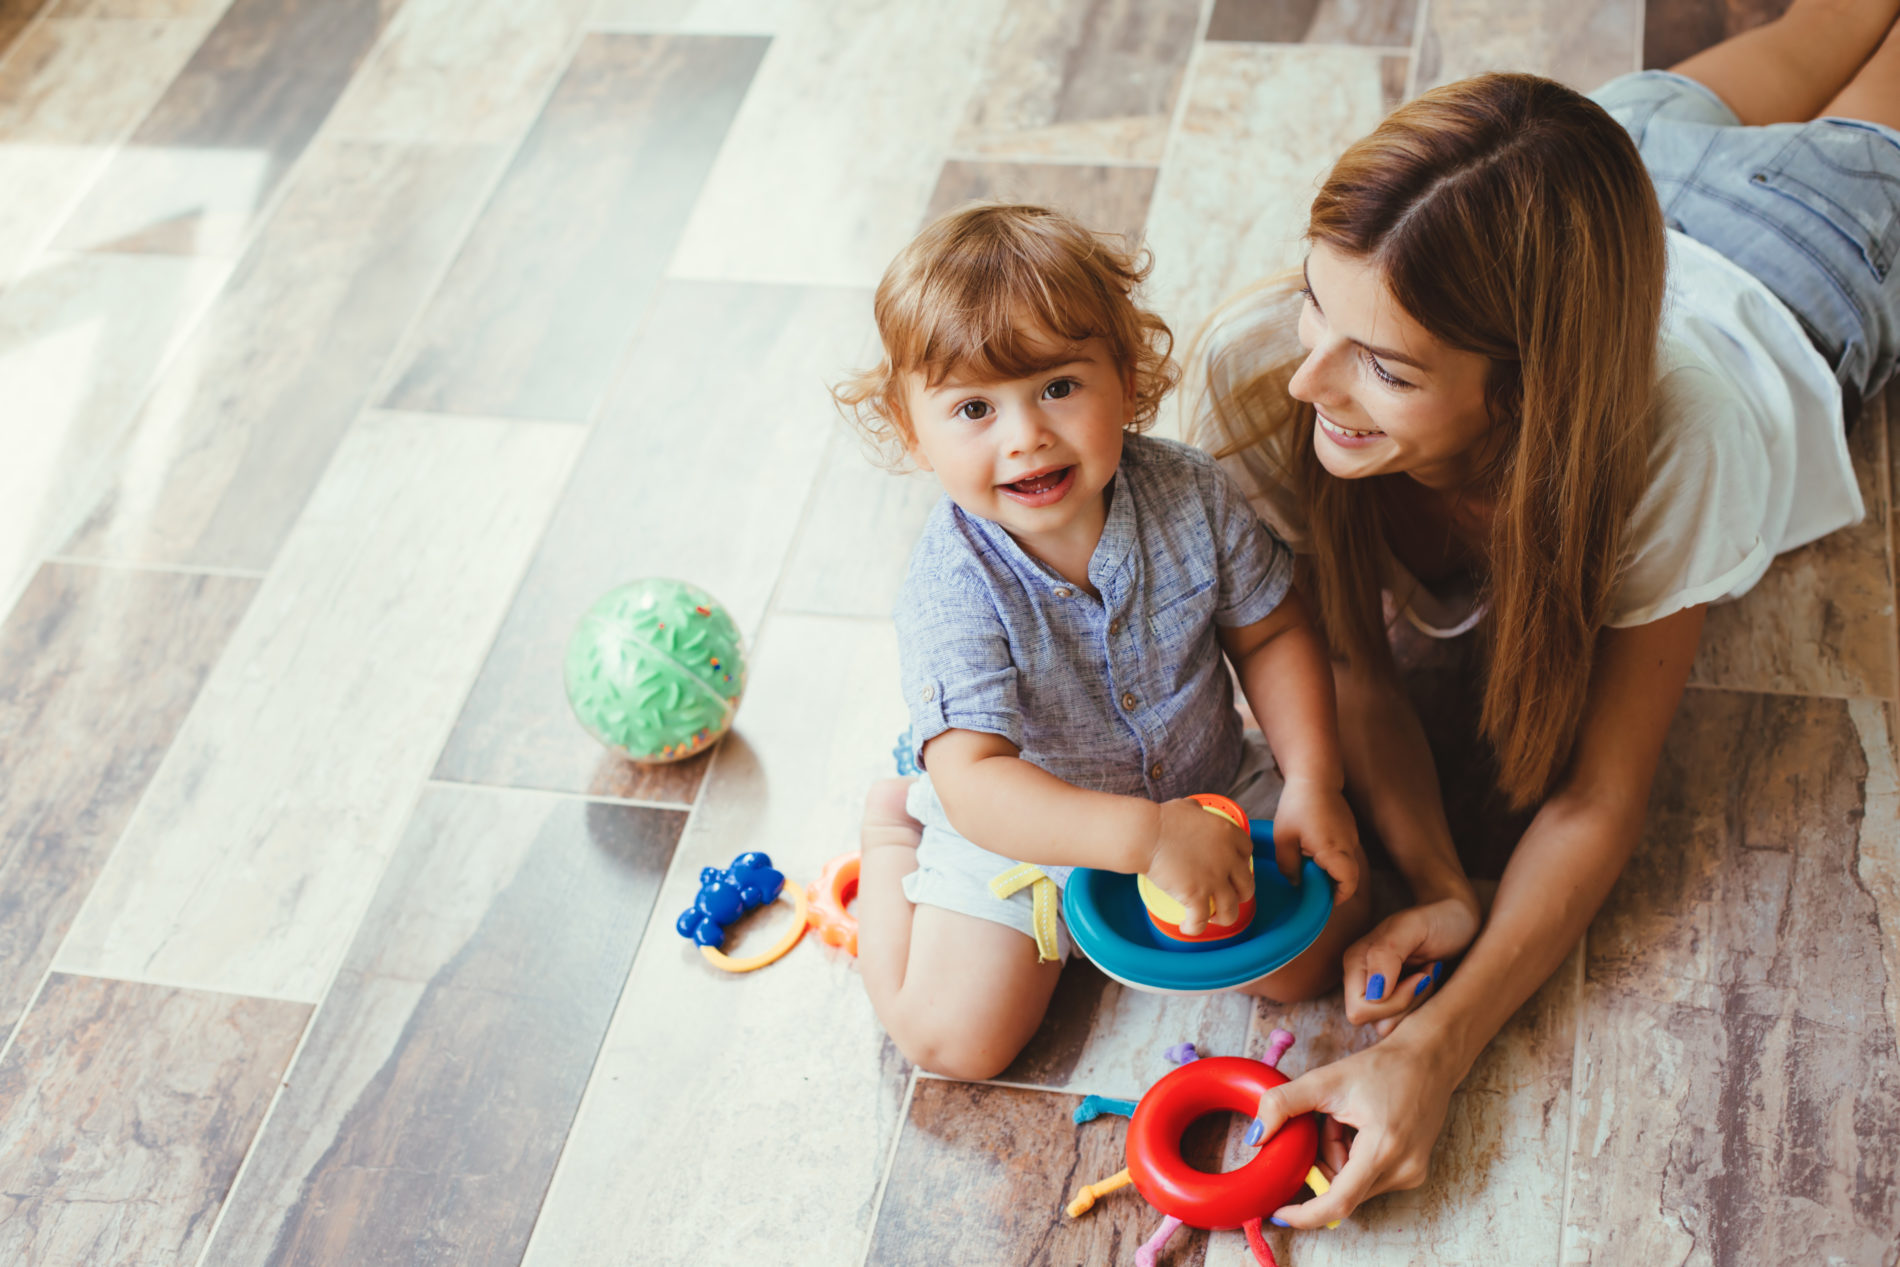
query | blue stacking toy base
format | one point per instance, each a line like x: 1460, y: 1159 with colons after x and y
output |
x: 1110, y: 926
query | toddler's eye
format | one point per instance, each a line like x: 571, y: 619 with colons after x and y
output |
x: 974, y: 410
x: 1061, y: 388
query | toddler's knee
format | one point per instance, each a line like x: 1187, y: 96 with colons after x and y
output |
x: 966, y: 1053
x: 884, y: 807
x: 1310, y: 976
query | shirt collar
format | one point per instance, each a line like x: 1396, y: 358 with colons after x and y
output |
x: 1111, y: 550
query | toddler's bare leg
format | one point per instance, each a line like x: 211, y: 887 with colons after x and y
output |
x: 1788, y: 70
x: 960, y: 996
x: 1318, y: 968
x: 1873, y: 94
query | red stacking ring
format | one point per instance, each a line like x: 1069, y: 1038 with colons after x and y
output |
x: 1272, y: 1179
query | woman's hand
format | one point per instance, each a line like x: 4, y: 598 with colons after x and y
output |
x: 1395, y: 1093
x: 1314, y: 819
x: 1379, y: 988
x: 1203, y: 860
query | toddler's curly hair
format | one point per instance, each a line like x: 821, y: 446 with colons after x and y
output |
x: 982, y: 292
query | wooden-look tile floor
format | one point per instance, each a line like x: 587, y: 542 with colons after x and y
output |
x: 348, y: 348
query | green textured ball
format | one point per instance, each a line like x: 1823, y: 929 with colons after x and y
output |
x: 655, y: 670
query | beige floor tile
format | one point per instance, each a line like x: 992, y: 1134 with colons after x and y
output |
x: 1584, y: 43
x: 82, y: 338
x: 833, y: 155
x: 696, y: 17
x: 240, y: 427
x: 138, y: 8
x: 265, y: 831
x: 39, y: 186
x: 776, y: 1094
x: 855, y: 545
x: 1738, y: 1071
x: 125, y: 1110
x: 1080, y: 81
x: 83, y: 81
x: 1233, y: 196
x: 1822, y: 621
x: 105, y: 662
x: 451, y: 71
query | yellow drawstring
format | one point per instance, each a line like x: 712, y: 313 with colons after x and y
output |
x: 1043, y: 897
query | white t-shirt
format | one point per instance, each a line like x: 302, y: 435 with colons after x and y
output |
x: 1749, y: 458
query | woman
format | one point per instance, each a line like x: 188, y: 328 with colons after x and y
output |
x: 1502, y: 398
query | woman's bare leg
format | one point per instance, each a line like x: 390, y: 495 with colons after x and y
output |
x: 1874, y: 93
x: 1790, y: 69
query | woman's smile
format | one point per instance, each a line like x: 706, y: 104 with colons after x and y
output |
x: 1346, y: 437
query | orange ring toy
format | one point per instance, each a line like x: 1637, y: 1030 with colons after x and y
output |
x: 830, y: 894
x: 1198, y: 1199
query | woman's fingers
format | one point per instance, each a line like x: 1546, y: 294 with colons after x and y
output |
x: 1333, y: 1144
x: 1288, y: 1100
x: 1350, y: 1186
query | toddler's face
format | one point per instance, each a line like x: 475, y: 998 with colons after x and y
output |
x: 1032, y: 454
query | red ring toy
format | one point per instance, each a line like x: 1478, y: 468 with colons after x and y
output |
x: 1209, y: 1085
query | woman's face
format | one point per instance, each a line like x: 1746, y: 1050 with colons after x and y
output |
x: 1390, y: 397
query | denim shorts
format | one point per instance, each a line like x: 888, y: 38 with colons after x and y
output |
x: 1812, y: 210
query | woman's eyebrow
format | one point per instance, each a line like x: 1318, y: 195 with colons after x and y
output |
x: 1388, y: 354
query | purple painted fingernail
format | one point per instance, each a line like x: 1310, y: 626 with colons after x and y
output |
x: 1424, y: 983
x: 1375, y: 987
x: 1278, y: 1221
x: 1438, y: 969
x: 1255, y: 1133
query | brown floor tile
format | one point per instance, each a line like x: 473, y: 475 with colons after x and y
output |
x: 430, y: 1102
x: 125, y: 1110
x: 73, y: 82
x: 1082, y: 80
x: 533, y: 318
x: 106, y: 663
x: 1739, y: 1071
x: 693, y: 471
x: 259, y: 84
x: 239, y: 430
x: 1106, y: 199
x: 1676, y: 29
x: 1583, y: 43
x: 982, y: 1174
x: 1379, y: 22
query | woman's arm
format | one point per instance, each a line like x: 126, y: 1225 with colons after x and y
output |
x: 1396, y: 1092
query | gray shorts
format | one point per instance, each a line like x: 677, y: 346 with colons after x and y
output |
x: 955, y: 874
x: 1812, y: 210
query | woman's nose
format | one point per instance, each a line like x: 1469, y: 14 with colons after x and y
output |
x: 1312, y: 381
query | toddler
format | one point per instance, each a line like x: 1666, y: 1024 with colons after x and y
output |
x: 1061, y: 634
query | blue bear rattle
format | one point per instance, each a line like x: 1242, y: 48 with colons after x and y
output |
x: 751, y: 881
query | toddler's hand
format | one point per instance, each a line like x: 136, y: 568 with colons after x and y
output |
x: 1201, y: 857
x: 1314, y: 820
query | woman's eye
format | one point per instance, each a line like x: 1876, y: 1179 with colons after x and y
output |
x: 1384, y: 377
x: 1306, y: 296
x: 1060, y: 388
x: 973, y: 410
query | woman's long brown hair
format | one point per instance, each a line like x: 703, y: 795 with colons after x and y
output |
x: 1511, y: 217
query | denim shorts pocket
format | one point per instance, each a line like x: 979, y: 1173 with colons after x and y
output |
x: 1849, y: 176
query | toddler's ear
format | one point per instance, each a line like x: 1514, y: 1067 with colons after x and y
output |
x: 915, y: 452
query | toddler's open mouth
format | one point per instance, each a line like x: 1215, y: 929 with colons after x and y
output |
x: 1041, y: 489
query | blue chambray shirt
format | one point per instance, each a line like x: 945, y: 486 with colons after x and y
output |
x: 1127, y: 693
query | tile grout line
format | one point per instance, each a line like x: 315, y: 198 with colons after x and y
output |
x: 1780, y: 693
x: 1420, y: 17
x: 890, y: 1163
x: 142, y: 565
x: 1575, y: 1117
x: 33, y: 999
x: 630, y: 802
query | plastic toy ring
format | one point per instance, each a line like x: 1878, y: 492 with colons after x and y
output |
x: 830, y: 894
x: 719, y: 959
x: 1211, y: 1085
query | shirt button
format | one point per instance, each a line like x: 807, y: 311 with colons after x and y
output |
x: 1063, y: 592
x: 929, y: 693
x: 1154, y: 771
x: 1128, y: 700
x: 1114, y: 627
